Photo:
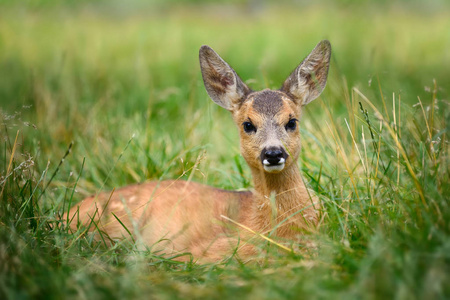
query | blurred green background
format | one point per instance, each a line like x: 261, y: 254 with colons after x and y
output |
x: 118, y: 83
x: 108, y: 69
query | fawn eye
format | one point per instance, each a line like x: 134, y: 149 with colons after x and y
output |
x: 249, y: 127
x: 291, y: 125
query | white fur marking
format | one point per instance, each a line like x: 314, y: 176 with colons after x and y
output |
x: 274, y: 168
x: 116, y: 205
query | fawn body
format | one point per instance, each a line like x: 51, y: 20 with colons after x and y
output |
x: 180, y: 216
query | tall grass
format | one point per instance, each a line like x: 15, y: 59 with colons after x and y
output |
x: 94, y: 100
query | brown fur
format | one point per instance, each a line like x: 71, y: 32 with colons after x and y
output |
x: 173, y: 217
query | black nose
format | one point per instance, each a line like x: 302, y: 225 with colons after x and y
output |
x: 273, y: 156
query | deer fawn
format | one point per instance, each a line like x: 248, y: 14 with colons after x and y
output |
x: 178, y: 216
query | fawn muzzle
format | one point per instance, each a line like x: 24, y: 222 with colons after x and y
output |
x: 273, y: 159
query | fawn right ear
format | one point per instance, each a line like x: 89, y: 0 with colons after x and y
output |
x: 308, y: 80
x: 221, y: 82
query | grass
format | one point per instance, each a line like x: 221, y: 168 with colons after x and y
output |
x: 96, y: 97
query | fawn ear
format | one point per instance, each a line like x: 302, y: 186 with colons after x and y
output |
x: 308, y: 80
x: 221, y: 82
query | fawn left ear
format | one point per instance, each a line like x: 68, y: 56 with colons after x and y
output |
x: 308, y: 80
x: 221, y: 82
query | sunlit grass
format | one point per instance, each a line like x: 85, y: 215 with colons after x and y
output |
x: 92, y: 101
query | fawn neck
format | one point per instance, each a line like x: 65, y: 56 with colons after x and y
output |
x: 278, y: 196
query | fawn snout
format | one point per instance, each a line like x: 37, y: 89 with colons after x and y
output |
x: 273, y: 159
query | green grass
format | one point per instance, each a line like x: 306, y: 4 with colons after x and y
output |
x: 121, y: 89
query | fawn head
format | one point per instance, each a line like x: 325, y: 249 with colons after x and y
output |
x: 268, y: 119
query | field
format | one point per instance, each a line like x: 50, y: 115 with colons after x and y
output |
x: 97, y: 96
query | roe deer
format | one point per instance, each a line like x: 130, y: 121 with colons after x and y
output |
x: 178, y: 216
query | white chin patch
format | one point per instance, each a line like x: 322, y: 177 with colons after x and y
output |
x: 273, y: 168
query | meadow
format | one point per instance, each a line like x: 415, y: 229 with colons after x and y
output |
x: 97, y: 96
